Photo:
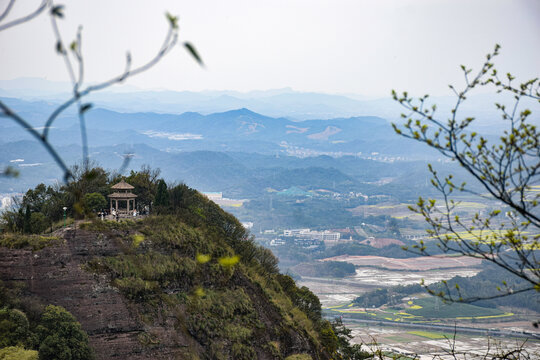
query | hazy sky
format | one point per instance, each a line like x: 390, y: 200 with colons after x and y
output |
x: 359, y: 46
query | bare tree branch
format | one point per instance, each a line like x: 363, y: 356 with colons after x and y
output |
x: 507, y: 170
x: 77, y: 79
x: 44, y: 4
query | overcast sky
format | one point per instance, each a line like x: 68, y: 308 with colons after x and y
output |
x: 360, y: 46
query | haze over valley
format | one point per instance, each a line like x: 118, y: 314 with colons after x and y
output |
x: 284, y: 180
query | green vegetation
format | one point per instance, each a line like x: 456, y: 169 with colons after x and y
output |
x: 14, y: 329
x: 505, y: 167
x: 40, y: 208
x: 195, y: 268
x: 94, y: 202
x: 61, y: 337
x: 429, y: 308
x: 17, y: 353
x: 490, y: 283
x: 34, y: 242
x: 193, y: 262
x: 197, y: 263
x: 27, y: 330
x: 391, y: 296
x: 270, y: 211
x: 299, y: 357
x: 162, y: 196
x: 434, y: 308
x: 483, y: 285
x: 430, y: 334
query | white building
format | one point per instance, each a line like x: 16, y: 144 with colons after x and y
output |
x: 325, y: 235
x: 295, y: 232
x: 277, y: 242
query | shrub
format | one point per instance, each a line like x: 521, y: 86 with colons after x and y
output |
x: 38, y: 223
x: 136, y: 288
x: 61, y: 336
x: 94, y: 202
x: 14, y: 328
x: 268, y: 261
x: 17, y: 353
x: 328, y: 338
x: 302, y: 297
x: 35, y: 242
x: 299, y: 357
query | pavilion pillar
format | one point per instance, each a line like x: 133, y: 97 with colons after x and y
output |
x: 128, y: 206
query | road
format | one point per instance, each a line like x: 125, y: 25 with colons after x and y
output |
x: 446, y: 328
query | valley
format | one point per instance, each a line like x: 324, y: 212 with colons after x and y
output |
x: 281, y: 177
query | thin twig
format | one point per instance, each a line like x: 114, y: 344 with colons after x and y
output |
x: 23, y: 19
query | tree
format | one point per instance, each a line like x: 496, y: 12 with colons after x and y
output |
x: 42, y: 206
x: 38, y: 223
x: 94, y: 202
x: 507, y: 170
x: 73, y: 58
x: 14, y: 328
x: 27, y: 220
x: 162, y: 195
x: 61, y: 336
x: 346, y: 350
x: 145, y: 183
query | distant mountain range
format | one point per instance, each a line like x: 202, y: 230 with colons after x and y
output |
x: 235, y: 130
x: 236, y: 174
x: 240, y: 151
x: 286, y: 102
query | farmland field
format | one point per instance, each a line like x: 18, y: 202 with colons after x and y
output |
x: 424, y: 309
x: 430, y: 334
x: 401, y: 211
x: 333, y: 292
x: 411, y: 264
x: 426, y: 344
x: 432, y: 307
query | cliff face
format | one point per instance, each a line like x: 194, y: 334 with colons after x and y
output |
x: 55, y: 275
x: 135, y: 302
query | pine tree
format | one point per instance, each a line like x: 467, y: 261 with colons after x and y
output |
x: 162, y: 195
x: 26, y: 221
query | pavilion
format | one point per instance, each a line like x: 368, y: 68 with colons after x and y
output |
x: 122, y: 192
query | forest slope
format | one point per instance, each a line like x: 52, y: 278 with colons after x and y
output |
x: 188, y: 285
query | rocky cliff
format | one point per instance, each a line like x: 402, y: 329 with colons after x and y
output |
x: 167, y: 287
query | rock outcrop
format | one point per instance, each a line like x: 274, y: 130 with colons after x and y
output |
x: 124, y: 327
x: 56, y: 275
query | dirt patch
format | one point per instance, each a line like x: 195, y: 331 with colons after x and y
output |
x: 412, y: 264
x: 381, y: 242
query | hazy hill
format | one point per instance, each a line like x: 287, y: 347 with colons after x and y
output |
x: 284, y: 102
x: 188, y: 285
x: 234, y: 130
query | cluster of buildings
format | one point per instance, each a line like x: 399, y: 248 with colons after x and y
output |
x: 325, y: 235
x: 308, y: 238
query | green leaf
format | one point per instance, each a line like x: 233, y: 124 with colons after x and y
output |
x: 85, y: 108
x: 58, y: 11
x: 60, y: 47
x: 193, y: 53
x: 173, y: 20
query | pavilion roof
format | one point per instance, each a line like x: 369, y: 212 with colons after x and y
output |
x: 126, y: 195
x: 122, y: 185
